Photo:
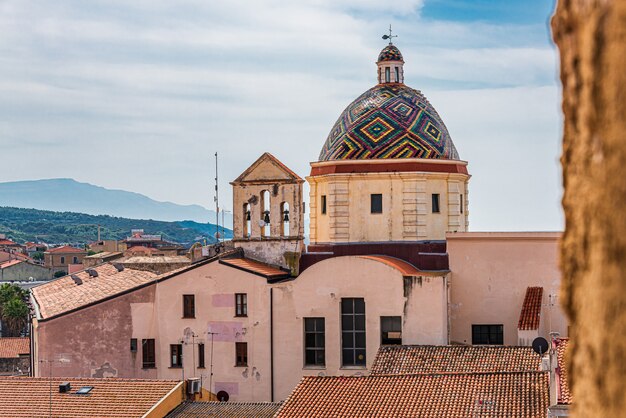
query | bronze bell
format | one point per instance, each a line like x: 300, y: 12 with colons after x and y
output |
x: 247, y: 215
x: 286, y: 217
x: 266, y: 217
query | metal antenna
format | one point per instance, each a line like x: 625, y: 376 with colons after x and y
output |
x: 390, y: 36
x: 211, y: 366
x: 217, y: 204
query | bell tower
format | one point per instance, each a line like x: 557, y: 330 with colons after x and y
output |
x: 268, y: 220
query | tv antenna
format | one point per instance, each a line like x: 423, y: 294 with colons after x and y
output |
x: 390, y: 36
x: 217, y: 204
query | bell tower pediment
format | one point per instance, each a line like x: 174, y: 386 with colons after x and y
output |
x: 267, y: 169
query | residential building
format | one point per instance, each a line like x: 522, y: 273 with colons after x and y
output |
x: 60, y: 258
x: 14, y: 356
x: 21, y: 270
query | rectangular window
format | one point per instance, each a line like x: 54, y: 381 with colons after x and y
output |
x: 176, y: 355
x: 189, y: 306
x: 461, y: 203
x: 314, y: 342
x: 488, y: 334
x: 397, y: 74
x: 201, y: 355
x: 133, y: 345
x: 75, y: 260
x: 387, y: 74
x: 62, y: 260
x: 391, y: 330
x: 148, y: 354
x: 241, y: 304
x: 323, y: 205
x: 376, y: 203
x: 353, y: 332
x: 435, y: 204
x: 241, y: 354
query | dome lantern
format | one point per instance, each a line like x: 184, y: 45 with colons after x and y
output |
x: 390, y: 63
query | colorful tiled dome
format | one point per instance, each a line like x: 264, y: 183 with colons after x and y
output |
x: 389, y: 121
x: 390, y: 53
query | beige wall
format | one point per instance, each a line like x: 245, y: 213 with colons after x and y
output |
x: 318, y: 292
x: 407, y: 209
x: 489, y: 275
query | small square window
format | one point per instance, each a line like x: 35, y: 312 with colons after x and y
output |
x: 376, y: 203
x: 241, y: 354
x: 435, y: 202
x: 189, y: 306
x: 323, y: 205
x: 488, y: 334
x: 241, y: 304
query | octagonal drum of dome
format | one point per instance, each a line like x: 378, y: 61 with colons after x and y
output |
x: 388, y: 121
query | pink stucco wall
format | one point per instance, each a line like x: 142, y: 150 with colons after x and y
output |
x: 490, y: 274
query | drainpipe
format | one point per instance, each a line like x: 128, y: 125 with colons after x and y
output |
x: 272, y: 344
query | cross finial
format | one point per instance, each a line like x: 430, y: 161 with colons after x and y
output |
x: 390, y: 36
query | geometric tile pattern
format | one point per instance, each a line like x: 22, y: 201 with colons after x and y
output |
x: 389, y: 121
x: 390, y: 53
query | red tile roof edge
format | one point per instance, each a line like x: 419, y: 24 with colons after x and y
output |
x: 530, y: 315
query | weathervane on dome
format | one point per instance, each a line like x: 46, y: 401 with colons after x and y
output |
x: 390, y: 36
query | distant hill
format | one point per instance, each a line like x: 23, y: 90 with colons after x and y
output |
x: 63, y: 194
x: 23, y: 225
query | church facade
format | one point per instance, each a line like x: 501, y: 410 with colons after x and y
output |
x: 390, y: 261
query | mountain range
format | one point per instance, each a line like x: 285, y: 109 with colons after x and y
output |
x: 62, y: 195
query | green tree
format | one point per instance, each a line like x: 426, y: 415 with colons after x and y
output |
x: 38, y: 256
x: 13, y: 309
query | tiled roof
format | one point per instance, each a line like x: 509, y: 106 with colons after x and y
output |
x: 109, y: 398
x: 531, y: 309
x: 225, y: 410
x: 426, y: 359
x: 65, y: 249
x: 11, y: 347
x: 407, y: 269
x: 7, y: 242
x: 10, y: 263
x: 564, y: 395
x: 64, y: 294
x: 513, y: 394
x: 156, y: 259
x: 140, y: 248
x: 255, y: 267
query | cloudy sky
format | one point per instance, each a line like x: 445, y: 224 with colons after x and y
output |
x: 139, y: 94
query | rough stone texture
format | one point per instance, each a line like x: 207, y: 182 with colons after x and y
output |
x: 591, y: 36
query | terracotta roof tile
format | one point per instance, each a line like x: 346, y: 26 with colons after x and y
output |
x: 11, y: 347
x: 564, y: 395
x: 225, y: 410
x: 140, y: 249
x: 109, y: 398
x: 425, y: 359
x: 531, y: 309
x: 512, y: 394
x: 255, y: 267
x: 65, y: 249
x: 10, y: 263
x: 63, y: 295
x: 7, y: 242
x: 407, y: 269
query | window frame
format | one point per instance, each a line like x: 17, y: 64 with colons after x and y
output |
x: 384, y: 338
x: 348, y: 335
x: 376, y: 207
x: 494, y: 334
x: 176, y: 356
x: 461, y: 202
x: 133, y: 345
x: 189, y: 306
x: 317, y: 347
x: 323, y: 203
x: 62, y: 260
x: 387, y: 74
x: 201, y: 356
x: 435, y: 203
x: 241, y: 306
x: 146, y: 353
x: 241, y: 350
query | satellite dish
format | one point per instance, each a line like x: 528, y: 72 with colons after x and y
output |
x: 222, y: 396
x: 540, y: 345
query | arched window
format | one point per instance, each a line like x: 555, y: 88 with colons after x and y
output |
x: 265, y: 213
x: 284, y: 219
x: 247, y: 223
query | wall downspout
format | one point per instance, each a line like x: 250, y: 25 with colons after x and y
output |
x: 272, y: 344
